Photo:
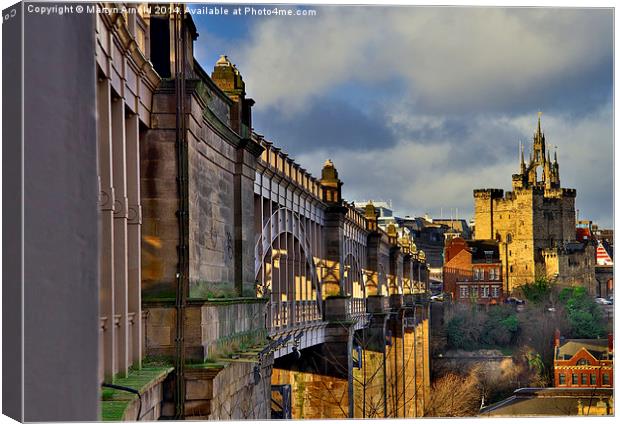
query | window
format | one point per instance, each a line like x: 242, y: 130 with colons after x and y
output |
x: 495, y: 291
x: 485, y: 291
x: 584, y: 379
x: 463, y: 292
x: 605, y: 379
x: 497, y: 274
x: 492, y: 274
x: 592, y: 379
x: 474, y: 291
x: 476, y: 274
x: 575, y: 380
x: 562, y: 380
x: 488, y: 256
x: 583, y: 362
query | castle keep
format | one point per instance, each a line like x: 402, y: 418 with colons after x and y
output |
x: 535, y: 224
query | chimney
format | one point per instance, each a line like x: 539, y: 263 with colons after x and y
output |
x: 556, y: 339
x: 610, y: 342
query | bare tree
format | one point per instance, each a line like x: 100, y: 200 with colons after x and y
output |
x: 454, y: 396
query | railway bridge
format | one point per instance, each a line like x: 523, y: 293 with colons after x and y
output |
x: 256, y: 283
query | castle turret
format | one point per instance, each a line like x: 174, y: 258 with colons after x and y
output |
x: 538, y: 214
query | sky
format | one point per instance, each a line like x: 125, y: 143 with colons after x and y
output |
x: 421, y: 105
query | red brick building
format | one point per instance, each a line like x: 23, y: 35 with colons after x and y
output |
x: 472, y: 271
x: 583, y: 362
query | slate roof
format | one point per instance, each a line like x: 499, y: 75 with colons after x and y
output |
x: 596, y: 347
x: 479, y: 247
x: 552, y: 401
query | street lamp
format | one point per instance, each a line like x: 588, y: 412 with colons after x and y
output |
x: 506, y: 243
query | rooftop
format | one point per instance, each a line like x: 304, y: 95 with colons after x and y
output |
x: 597, y: 347
x: 552, y: 402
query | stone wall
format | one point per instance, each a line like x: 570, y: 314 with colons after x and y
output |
x: 220, y: 175
x: 239, y: 394
x: 159, y: 196
x: 211, y: 160
x: 150, y: 409
x: 526, y: 221
x: 212, y: 329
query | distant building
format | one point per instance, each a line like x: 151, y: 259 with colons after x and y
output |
x: 583, y: 363
x: 604, y: 235
x: 427, y: 235
x: 456, y: 226
x: 384, y: 208
x: 552, y: 401
x: 535, y: 224
x: 473, y: 271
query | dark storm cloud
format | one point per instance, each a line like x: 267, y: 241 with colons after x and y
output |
x: 422, y: 105
x: 328, y: 123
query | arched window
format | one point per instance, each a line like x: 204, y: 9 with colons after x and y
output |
x: 583, y: 362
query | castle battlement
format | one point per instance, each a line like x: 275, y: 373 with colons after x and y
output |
x: 559, y: 193
x: 493, y: 193
x: 535, y: 221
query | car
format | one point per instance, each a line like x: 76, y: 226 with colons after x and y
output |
x: 603, y: 301
x: 514, y: 301
x: 438, y: 297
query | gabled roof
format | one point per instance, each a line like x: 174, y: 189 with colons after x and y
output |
x: 604, y: 254
x: 595, y: 347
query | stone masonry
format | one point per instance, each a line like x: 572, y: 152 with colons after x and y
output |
x: 535, y: 224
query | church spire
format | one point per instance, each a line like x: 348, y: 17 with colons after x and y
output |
x: 522, y: 158
x: 538, y: 145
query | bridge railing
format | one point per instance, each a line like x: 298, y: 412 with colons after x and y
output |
x: 287, y: 314
x: 358, y: 306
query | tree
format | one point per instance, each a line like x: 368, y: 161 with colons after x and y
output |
x: 584, y: 315
x: 539, y: 291
x: 454, y: 396
x: 471, y: 328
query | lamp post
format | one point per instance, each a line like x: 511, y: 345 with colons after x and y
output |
x: 508, y: 240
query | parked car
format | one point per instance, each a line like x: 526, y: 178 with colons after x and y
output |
x: 438, y: 297
x: 603, y: 301
x: 514, y: 301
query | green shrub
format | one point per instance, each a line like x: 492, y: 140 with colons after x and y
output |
x: 584, y: 315
x: 538, y: 291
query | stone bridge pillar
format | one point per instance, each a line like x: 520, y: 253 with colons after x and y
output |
x: 334, y: 231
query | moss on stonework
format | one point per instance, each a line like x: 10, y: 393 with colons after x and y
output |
x: 236, y: 344
x: 114, y: 402
x: 212, y: 290
x: 158, y: 361
x: 113, y: 410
